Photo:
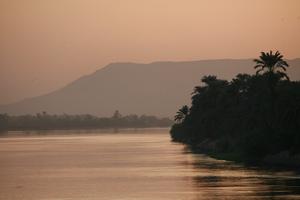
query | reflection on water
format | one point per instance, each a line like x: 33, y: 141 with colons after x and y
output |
x: 127, y: 164
x: 226, y: 180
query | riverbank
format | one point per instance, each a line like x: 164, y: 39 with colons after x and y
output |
x: 282, y: 159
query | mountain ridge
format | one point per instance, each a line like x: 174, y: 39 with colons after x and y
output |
x: 156, y: 88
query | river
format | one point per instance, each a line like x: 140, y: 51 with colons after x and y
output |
x: 132, y: 164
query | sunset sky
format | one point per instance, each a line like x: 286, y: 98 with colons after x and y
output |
x: 45, y: 44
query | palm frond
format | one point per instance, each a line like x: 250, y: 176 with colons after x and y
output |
x: 282, y: 67
x: 284, y: 63
x: 257, y: 66
x: 258, y: 71
x: 283, y: 75
x: 258, y: 61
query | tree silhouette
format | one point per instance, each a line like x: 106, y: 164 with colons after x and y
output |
x: 117, y: 115
x: 182, y: 113
x: 44, y: 121
x: 271, y: 64
x: 249, y: 117
x: 273, y: 67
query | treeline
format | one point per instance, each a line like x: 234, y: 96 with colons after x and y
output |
x: 252, y: 115
x: 48, y: 122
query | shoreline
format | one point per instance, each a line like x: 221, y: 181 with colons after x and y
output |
x: 279, y: 160
x: 83, y: 128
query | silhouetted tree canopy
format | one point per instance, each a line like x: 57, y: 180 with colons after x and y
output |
x: 255, y: 115
x: 181, y: 114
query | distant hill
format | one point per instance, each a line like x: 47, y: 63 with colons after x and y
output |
x: 158, y: 88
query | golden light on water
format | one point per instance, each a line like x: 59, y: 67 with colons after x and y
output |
x: 131, y: 164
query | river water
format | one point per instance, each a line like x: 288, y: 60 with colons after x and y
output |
x: 127, y: 165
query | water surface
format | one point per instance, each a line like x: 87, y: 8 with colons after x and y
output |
x: 127, y: 164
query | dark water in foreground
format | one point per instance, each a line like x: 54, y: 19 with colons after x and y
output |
x: 131, y: 164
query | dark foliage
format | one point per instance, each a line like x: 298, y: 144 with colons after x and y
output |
x: 253, y: 115
x: 46, y: 121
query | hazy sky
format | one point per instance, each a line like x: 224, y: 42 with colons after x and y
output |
x: 45, y: 44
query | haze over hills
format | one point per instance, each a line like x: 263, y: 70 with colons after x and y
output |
x: 158, y: 88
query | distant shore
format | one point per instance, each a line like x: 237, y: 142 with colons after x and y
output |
x: 44, y: 121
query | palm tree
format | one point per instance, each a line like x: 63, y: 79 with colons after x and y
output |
x: 274, y: 68
x: 271, y: 64
x: 182, y: 113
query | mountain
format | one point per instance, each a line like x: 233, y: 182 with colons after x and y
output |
x: 158, y: 88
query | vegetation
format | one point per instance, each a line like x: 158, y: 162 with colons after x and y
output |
x: 251, y: 115
x: 46, y: 121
